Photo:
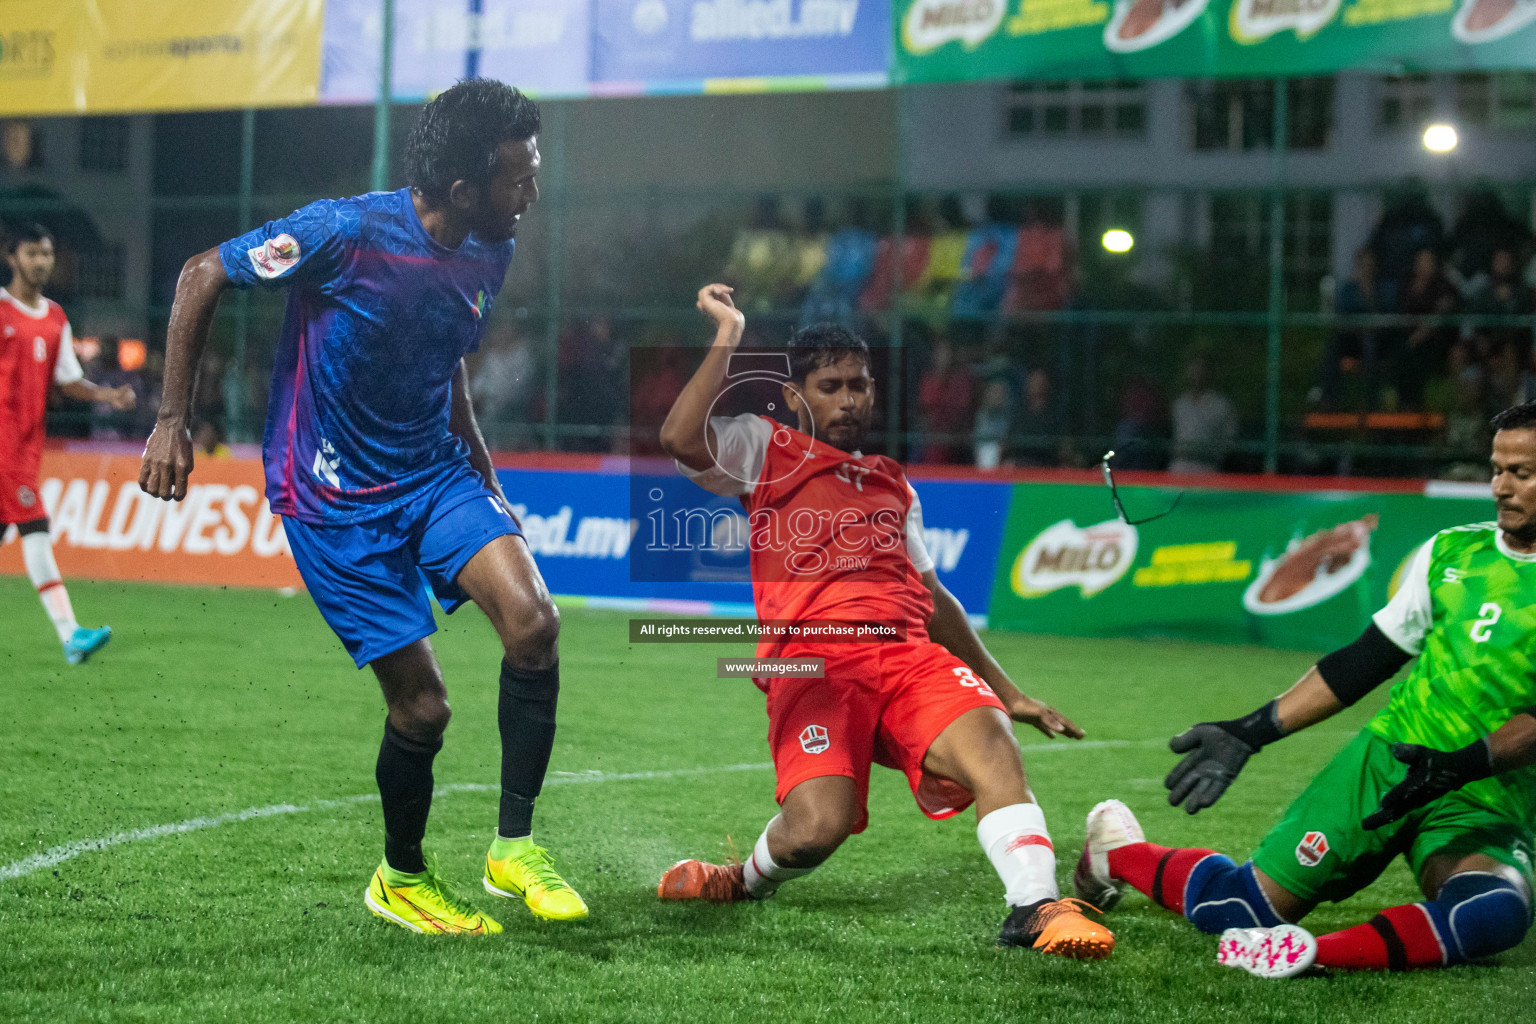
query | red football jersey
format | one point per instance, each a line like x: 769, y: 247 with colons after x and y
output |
x: 35, y: 353
x: 829, y: 538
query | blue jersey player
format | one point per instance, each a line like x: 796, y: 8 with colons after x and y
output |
x: 376, y: 465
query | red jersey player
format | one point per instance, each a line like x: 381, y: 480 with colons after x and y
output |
x: 35, y: 354
x: 837, y: 535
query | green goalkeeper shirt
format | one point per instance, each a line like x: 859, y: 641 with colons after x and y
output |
x: 1466, y: 608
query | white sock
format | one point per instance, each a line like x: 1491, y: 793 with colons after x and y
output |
x: 1019, y: 847
x: 37, y: 553
x: 762, y: 875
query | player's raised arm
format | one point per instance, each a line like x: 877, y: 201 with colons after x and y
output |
x: 950, y: 628
x: 168, y: 452
x: 686, y: 433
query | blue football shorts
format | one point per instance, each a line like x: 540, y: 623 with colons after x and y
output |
x: 370, y: 579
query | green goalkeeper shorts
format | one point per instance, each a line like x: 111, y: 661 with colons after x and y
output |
x: 1319, y: 851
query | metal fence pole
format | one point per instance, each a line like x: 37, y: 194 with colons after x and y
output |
x: 554, y: 274
x: 235, y: 392
x: 386, y: 95
x: 1281, y: 138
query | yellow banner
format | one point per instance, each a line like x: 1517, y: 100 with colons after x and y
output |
x: 123, y: 56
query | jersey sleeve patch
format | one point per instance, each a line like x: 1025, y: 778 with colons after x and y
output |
x: 275, y: 257
x: 306, y: 247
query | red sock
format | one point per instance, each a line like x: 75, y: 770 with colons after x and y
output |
x: 1397, y: 939
x: 1156, y: 871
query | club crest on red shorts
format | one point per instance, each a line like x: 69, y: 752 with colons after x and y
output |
x: 813, y: 739
x: 1311, y: 850
x: 25, y: 496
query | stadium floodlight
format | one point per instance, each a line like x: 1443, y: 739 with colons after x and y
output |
x: 1440, y: 138
x: 1114, y: 495
x: 1117, y: 240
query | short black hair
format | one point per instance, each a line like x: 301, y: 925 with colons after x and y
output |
x: 822, y: 344
x: 31, y: 231
x: 1518, y: 417
x: 459, y: 132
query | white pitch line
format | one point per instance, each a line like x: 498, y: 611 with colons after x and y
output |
x: 68, y: 851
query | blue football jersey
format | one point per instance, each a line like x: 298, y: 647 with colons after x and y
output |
x: 379, y: 315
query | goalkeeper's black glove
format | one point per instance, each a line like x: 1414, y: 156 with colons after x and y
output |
x: 1431, y: 775
x: 1214, y: 752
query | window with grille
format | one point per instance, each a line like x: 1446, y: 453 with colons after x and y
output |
x: 1240, y: 114
x: 1098, y: 109
x: 1501, y: 100
x: 104, y: 144
x: 101, y: 272
x: 1404, y: 101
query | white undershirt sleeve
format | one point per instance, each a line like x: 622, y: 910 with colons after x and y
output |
x: 742, y: 443
x: 1409, y: 616
x: 917, y: 549
x: 66, y: 368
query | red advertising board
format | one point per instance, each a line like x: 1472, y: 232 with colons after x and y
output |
x: 104, y: 527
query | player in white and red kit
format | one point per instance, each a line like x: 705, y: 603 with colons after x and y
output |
x: 836, y: 536
x: 36, y: 353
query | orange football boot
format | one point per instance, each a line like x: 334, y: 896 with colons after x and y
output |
x: 696, y: 880
x: 1059, y: 928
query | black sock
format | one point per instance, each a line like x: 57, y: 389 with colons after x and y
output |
x: 404, y: 774
x: 525, y: 712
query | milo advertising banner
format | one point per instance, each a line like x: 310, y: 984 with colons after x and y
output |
x: 1291, y: 569
x: 948, y: 40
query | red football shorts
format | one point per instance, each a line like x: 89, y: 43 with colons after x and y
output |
x: 20, y: 500
x: 880, y: 703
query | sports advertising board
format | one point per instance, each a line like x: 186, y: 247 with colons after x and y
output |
x: 953, y: 40
x: 1290, y: 569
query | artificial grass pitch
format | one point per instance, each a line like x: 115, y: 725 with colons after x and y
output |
x: 235, y: 718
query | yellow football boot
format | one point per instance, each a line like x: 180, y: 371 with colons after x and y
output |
x: 519, y: 870
x: 424, y: 903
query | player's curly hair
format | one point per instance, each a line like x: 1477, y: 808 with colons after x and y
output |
x: 822, y: 344
x: 1518, y: 417
x: 459, y: 132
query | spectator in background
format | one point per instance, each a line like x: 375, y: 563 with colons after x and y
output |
x: 503, y: 383
x: 993, y: 418
x: 208, y: 439
x: 661, y: 372
x: 1501, y: 292
x: 1483, y: 229
x: 913, y: 253
x: 1038, y: 432
x: 945, y: 394
x: 1408, y: 226
x: 946, y: 257
x: 208, y: 400
x: 153, y: 375
x: 850, y: 259
x: 1356, y: 350
x: 810, y: 247
x: 1204, y: 424
x: 1423, y: 351
x: 593, y: 386
x: 763, y: 261
x: 1140, y: 422
x: 107, y: 422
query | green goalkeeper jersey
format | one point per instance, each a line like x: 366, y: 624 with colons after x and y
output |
x: 1467, y: 608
